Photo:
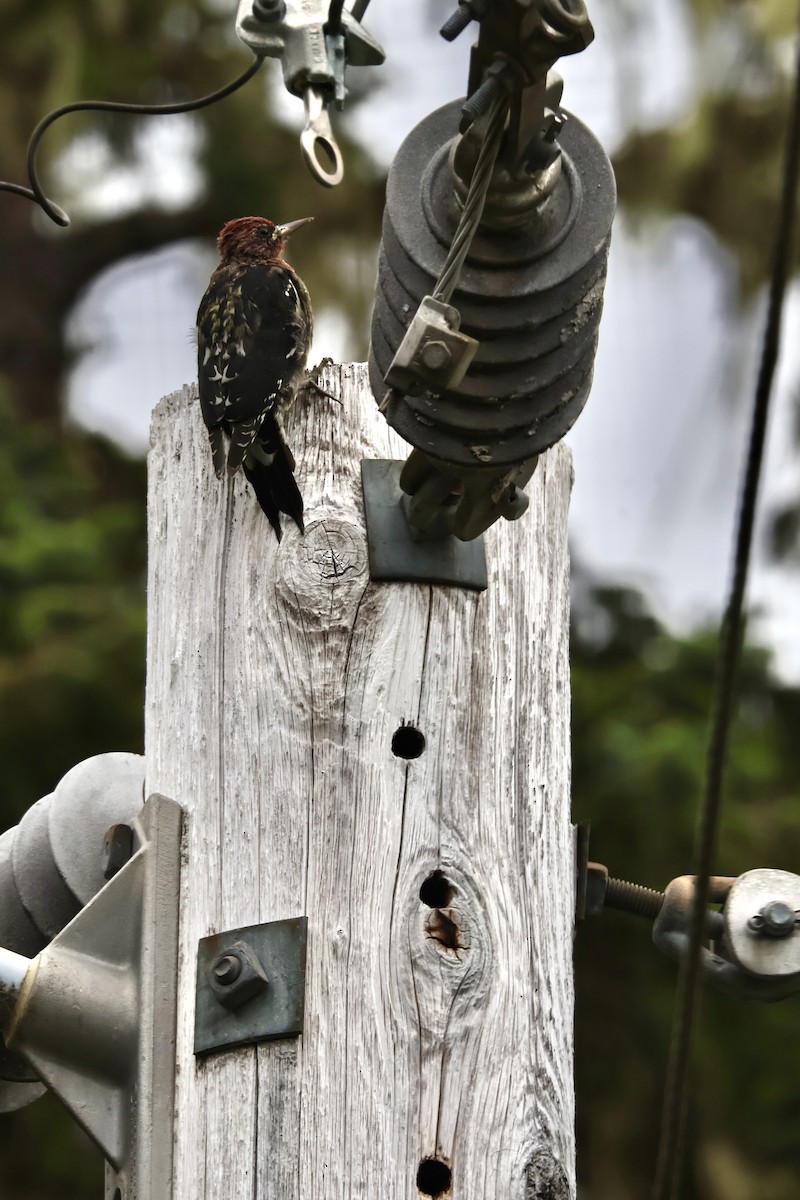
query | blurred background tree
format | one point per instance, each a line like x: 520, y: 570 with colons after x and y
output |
x: 72, y: 541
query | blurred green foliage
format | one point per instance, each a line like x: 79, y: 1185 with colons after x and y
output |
x: 72, y: 563
x: 640, y: 713
x: 72, y: 554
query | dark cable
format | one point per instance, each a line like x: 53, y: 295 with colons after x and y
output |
x: 730, y: 641
x: 334, y: 22
x: 475, y: 200
x: 471, y: 214
x: 36, y: 193
x: 358, y: 9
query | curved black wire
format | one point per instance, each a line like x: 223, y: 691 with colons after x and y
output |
x: 674, y: 1110
x: 36, y: 193
x: 334, y: 23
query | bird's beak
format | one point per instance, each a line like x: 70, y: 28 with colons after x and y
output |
x: 291, y: 226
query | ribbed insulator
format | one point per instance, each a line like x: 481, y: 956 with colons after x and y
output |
x: 532, y: 295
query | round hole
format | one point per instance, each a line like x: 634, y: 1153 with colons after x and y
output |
x: 326, y: 154
x: 436, y: 891
x: 433, y: 1177
x: 408, y: 742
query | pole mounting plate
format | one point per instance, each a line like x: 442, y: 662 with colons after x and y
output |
x: 274, y: 1010
x: 395, y: 555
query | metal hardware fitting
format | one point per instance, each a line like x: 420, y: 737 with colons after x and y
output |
x: 433, y: 350
x: 761, y: 914
x: 754, y: 951
x: 501, y: 208
x: 250, y: 985
x: 314, y: 58
x: 398, y: 550
x: 94, y: 1012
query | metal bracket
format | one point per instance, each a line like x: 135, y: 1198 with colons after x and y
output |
x: 250, y: 985
x: 314, y: 56
x: 434, y: 351
x: 95, y: 1012
x: 394, y: 554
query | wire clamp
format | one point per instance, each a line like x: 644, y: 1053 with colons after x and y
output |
x: 433, y: 351
x: 316, y: 40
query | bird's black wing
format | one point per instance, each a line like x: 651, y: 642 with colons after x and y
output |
x: 253, y: 330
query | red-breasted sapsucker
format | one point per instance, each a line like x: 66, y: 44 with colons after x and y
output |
x: 254, y: 328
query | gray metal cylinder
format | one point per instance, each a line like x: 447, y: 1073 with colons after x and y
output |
x: 531, y: 294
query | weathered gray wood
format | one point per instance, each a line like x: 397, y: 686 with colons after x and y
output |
x: 277, y: 676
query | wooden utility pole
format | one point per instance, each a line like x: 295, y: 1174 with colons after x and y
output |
x: 286, y: 692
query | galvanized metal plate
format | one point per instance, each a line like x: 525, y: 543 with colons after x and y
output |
x: 748, y: 895
x: 277, y: 1012
x: 394, y: 555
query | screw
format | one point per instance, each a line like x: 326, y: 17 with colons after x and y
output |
x: 775, y: 920
x: 436, y: 355
x: 633, y: 898
x: 227, y: 969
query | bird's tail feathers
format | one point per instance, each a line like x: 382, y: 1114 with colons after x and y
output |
x: 269, y: 468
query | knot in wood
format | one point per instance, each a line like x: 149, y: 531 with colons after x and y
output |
x: 334, y: 550
x: 546, y: 1179
x: 322, y: 574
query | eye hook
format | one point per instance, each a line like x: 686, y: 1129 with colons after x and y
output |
x: 318, y: 136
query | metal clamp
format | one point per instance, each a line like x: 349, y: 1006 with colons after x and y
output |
x: 434, y: 350
x: 754, y: 941
x: 94, y: 1012
x: 746, y: 960
x: 314, y: 57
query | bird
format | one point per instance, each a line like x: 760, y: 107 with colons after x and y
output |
x: 254, y: 329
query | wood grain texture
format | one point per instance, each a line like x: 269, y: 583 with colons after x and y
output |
x: 277, y: 676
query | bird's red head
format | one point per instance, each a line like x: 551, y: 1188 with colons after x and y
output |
x: 255, y: 239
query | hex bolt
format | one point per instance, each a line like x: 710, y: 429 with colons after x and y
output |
x: 775, y: 920
x: 436, y: 355
x: 227, y: 969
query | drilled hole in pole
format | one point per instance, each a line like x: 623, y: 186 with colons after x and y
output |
x: 408, y: 742
x: 433, y: 1177
x: 436, y: 890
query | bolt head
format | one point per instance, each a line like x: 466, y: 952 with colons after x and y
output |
x: 227, y: 969
x: 436, y: 355
x: 775, y: 919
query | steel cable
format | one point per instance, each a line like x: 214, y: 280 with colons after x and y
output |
x: 471, y: 215
x: 730, y: 640
x: 472, y: 212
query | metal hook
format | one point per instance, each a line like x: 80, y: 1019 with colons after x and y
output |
x: 318, y: 135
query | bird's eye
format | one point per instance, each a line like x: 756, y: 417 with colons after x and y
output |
x: 265, y: 232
